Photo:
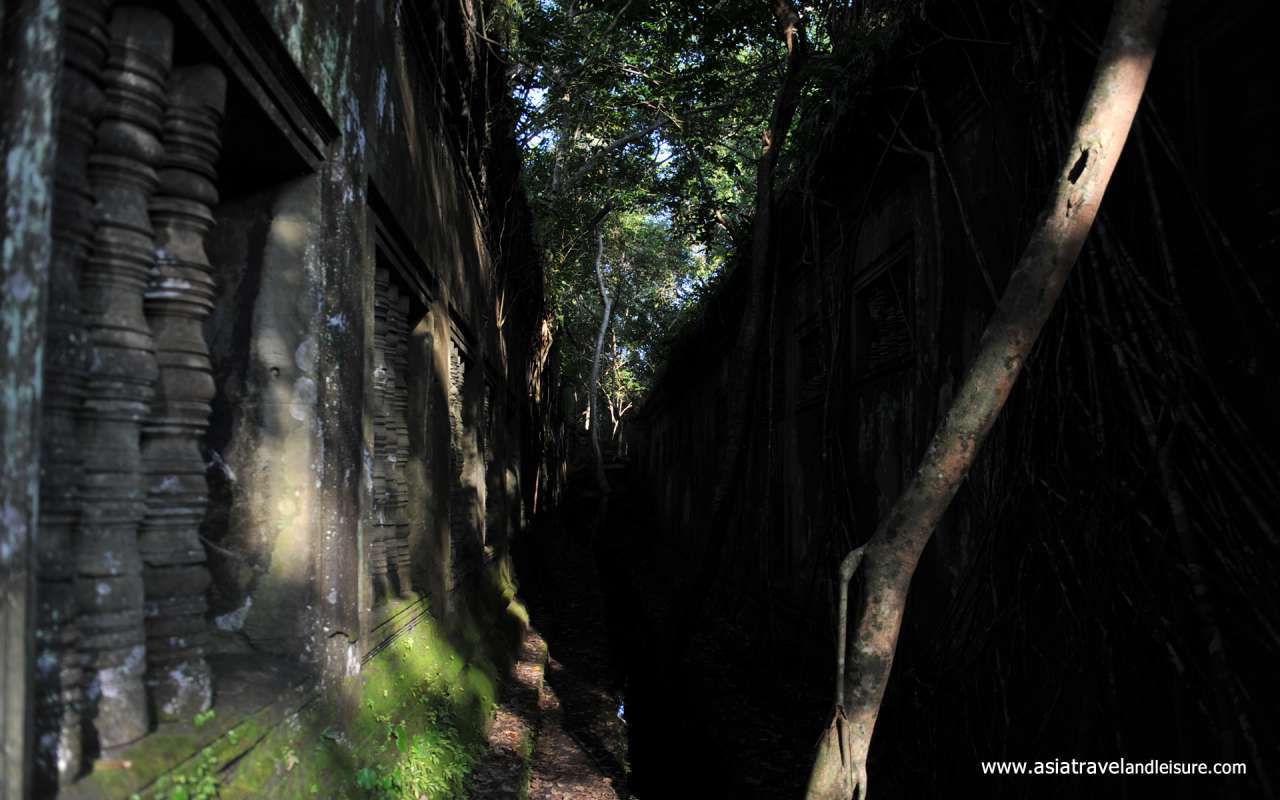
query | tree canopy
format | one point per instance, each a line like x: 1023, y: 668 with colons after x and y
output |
x: 647, y: 118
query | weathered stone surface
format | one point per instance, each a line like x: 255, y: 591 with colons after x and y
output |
x: 286, y: 305
x: 274, y: 450
x: 463, y: 511
x: 59, y: 673
x: 428, y: 471
x: 32, y: 47
x: 122, y: 371
x: 180, y: 295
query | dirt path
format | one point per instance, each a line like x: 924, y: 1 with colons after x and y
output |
x: 559, y: 582
x: 528, y: 743
x: 562, y: 770
x: 734, y: 722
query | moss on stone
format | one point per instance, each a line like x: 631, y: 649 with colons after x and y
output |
x: 148, y: 768
x: 425, y: 704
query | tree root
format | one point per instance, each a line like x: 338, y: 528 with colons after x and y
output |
x: 840, y: 768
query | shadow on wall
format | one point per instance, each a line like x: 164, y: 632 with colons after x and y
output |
x: 428, y: 470
x: 262, y: 444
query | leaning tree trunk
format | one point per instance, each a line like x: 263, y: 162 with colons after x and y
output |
x: 593, y: 389
x: 889, y: 558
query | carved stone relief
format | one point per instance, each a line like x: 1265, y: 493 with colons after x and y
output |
x: 399, y: 328
x: 382, y: 536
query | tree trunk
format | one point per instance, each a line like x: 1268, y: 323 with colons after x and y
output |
x: 593, y: 390
x: 889, y: 558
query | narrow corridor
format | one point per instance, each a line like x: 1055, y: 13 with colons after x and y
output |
x: 928, y: 347
x: 603, y: 604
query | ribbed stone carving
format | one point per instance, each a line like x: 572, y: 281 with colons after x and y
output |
x: 382, y: 534
x: 59, y: 675
x: 399, y: 351
x: 180, y: 295
x: 121, y: 376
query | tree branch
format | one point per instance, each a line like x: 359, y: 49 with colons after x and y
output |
x: 640, y: 134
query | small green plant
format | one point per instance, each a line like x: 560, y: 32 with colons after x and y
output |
x: 366, y: 778
x: 203, y: 718
x: 199, y: 783
x: 434, y: 763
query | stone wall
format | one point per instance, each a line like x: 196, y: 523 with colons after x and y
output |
x: 912, y: 191
x: 291, y: 300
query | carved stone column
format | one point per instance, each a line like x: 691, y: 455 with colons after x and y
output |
x: 122, y: 371
x: 180, y: 295
x: 383, y: 529
x: 59, y: 675
x: 399, y: 351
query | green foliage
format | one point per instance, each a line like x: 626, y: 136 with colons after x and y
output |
x: 700, y: 76
x: 655, y: 110
x: 653, y: 277
x: 432, y: 763
x: 197, y: 782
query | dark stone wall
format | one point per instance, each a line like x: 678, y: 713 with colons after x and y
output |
x: 423, y: 167
x: 890, y: 253
x: 32, y: 47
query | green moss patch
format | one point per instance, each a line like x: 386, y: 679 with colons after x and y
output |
x: 413, y: 724
x: 425, y: 704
